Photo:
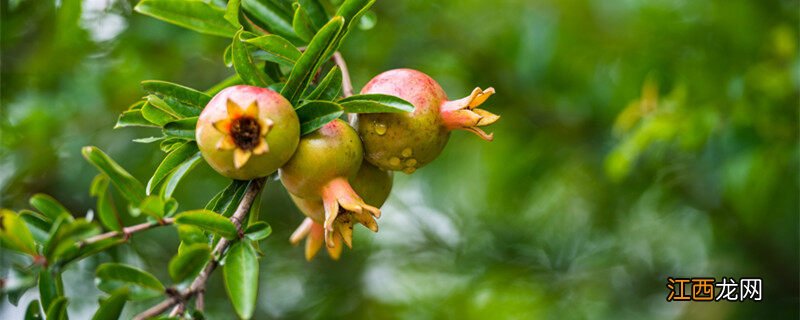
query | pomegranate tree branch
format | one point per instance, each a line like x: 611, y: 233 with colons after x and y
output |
x: 126, y: 232
x: 347, y: 85
x: 198, y: 285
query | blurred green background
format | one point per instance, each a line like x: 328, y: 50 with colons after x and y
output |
x: 639, y: 140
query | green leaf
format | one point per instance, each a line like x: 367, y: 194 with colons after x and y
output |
x: 49, y: 206
x: 190, y: 234
x: 180, y: 93
x: 174, y: 159
x: 14, y: 233
x: 65, y: 238
x: 302, y: 24
x: 227, y: 57
x: 149, y: 139
x: 226, y: 201
x: 315, y: 114
x: 258, y: 231
x: 232, y: 13
x: 76, y: 253
x: 33, y: 312
x: 38, y: 225
x: 153, y: 206
x: 316, y: 12
x: 58, y: 309
x: 271, y: 16
x: 208, y: 221
x: 375, y: 103
x: 351, y: 11
x: 277, y: 49
x: 170, y: 144
x: 129, y: 187
x: 160, y: 104
x: 177, y: 175
x: 133, y: 118
x: 196, y: 15
x: 142, y: 285
x: 315, y: 55
x: 106, y: 212
x: 329, y: 87
x: 111, y: 307
x: 189, y: 261
x: 244, y: 64
x: 181, y: 129
x: 155, y: 115
x: 241, y: 278
x: 50, y: 287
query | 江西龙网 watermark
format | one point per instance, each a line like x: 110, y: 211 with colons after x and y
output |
x: 708, y: 289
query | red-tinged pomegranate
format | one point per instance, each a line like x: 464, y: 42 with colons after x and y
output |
x: 373, y: 184
x: 407, y: 141
x: 247, y: 132
x: 321, y: 169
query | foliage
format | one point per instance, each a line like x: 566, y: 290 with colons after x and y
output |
x: 640, y: 140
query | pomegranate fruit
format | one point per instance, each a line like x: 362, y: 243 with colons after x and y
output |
x: 408, y: 141
x: 372, y: 183
x: 247, y: 132
x: 320, y: 171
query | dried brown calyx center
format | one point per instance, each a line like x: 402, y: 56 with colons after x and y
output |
x: 245, y: 132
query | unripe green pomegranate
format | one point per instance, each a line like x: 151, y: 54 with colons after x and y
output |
x: 321, y: 169
x: 247, y: 132
x: 408, y: 141
x: 373, y: 184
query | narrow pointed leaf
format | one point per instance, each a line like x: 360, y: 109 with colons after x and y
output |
x: 232, y: 13
x: 196, y: 15
x: 49, y: 206
x: 177, y: 175
x: 142, y: 285
x: 174, y: 159
x: 129, y: 187
x: 315, y: 11
x: 153, y: 206
x: 244, y: 63
x: 258, y: 231
x: 277, y: 49
x: 226, y: 201
x: 315, y: 114
x: 302, y: 24
x: 329, y: 87
x: 111, y: 307
x: 181, y: 93
x: 50, y: 287
x: 133, y: 118
x: 271, y: 16
x: 241, y: 278
x: 375, y: 103
x: 189, y: 261
x: 58, y: 309
x: 14, y: 233
x: 33, y: 312
x: 38, y: 225
x: 155, y: 115
x: 181, y: 129
x: 315, y: 55
x: 106, y: 212
x: 208, y: 221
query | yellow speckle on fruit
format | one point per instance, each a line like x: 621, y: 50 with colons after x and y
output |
x: 411, y: 162
x: 407, y: 152
x: 394, y: 161
x: 409, y: 170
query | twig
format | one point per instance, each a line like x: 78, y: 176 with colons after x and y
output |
x: 126, y: 232
x: 347, y: 86
x: 199, y: 283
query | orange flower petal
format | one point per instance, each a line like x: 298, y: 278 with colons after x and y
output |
x: 252, y: 110
x: 234, y: 110
x: 223, y: 126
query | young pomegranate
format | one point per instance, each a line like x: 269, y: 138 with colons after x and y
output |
x: 373, y: 184
x: 247, y: 132
x: 321, y: 169
x: 408, y: 141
